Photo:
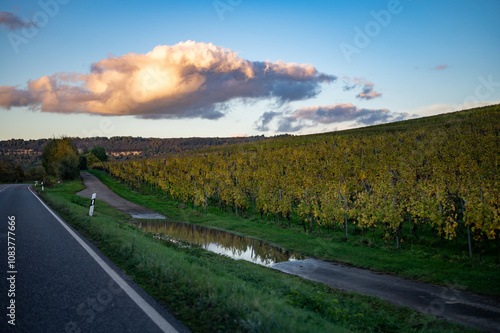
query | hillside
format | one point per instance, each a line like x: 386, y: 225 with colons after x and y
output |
x: 393, y: 182
x: 27, y: 152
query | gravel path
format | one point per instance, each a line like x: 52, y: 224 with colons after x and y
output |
x: 445, y: 302
x: 94, y: 185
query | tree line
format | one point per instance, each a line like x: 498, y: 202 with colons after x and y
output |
x: 27, y: 152
x: 60, y: 159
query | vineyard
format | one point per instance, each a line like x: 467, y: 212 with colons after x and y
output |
x: 390, y: 182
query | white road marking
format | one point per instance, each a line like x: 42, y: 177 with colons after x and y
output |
x: 3, y: 189
x: 141, y: 303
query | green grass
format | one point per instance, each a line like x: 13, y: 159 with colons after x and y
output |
x: 437, y: 265
x: 208, y: 292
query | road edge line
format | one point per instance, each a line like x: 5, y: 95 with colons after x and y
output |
x: 158, y: 319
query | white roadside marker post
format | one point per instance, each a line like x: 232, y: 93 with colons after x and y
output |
x: 42, y: 186
x: 91, y: 210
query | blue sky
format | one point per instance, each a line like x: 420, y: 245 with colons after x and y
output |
x: 368, y: 62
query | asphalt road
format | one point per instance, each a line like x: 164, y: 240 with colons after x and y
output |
x: 59, y: 282
x: 94, y: 185
x: 440, y: 301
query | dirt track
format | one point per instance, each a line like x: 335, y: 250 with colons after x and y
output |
x: 446, y: 302
x: 94, y: 185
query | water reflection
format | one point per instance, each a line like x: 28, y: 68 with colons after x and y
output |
x: 221, y: 242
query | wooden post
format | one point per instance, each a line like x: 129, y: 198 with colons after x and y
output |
x: 468, y: 232
x: 206, y: 202
x: 194, y: 195
x: 464, y: 204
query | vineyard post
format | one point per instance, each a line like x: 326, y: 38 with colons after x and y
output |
x: 345, y: 219
x: 345, y: 213
x: 411, y: 229
x: 464, y: 207
x: 397, y: 228
x: 206, y: 202
x: 253, y: 200
x: 218, y: 196
x: 235, y: 204
x: 279, y: 212
x: 470, y: 245
x: 253, y: 203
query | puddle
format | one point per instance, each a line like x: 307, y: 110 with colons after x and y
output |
x: 221, y: 242
x: 146, y: 216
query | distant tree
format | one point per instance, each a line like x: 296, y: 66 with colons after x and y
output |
x: 48, y: 157
x: 91, y: 159
x: 60, y: 158
x: 100, y: 153
x: 35, y: 173
x: 82, y: 162
x: 67, y: 167
x: 7, y: 171
x: 19, y: 174
x: 47, y: 181
x: 10, y: 173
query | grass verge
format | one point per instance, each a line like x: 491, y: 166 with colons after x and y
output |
x: 208, y: 292
x: 420, y: 262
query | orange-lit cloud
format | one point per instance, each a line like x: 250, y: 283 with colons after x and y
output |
x: 185, y: 80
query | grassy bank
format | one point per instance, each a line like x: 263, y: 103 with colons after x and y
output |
x: 429, y: 264
x: 209, y: 292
